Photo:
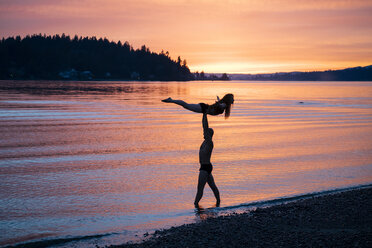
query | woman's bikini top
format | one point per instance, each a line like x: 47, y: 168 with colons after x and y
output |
x: 217, y: 108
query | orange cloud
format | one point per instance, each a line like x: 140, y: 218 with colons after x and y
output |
x: 213, y: 35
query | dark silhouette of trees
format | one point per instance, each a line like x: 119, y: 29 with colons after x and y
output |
x: 63, y: 57
x: 224, y: 77
x: 349, y: 74
x: 213, y: 77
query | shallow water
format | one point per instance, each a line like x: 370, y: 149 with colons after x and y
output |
x: 109, y: 158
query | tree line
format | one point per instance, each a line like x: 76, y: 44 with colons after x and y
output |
x: 349, y: 74
x: 85, y: 58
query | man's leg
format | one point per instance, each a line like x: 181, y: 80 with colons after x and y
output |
x: 203, y: 177
x: 214, y: 188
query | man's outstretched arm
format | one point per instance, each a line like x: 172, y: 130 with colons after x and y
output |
x: 205, y: 122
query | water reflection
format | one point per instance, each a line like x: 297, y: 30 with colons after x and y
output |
x: 91, y: 159
x: 90, y: 87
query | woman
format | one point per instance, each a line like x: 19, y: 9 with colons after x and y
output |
x: 220, y: 106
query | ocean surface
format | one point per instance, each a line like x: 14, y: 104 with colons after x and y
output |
x: 86, y: 163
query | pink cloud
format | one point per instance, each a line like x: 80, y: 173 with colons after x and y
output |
x: 232, y: 31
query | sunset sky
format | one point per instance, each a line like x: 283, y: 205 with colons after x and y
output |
x: 232, y: 36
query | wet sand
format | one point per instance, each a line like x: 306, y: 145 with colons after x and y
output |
x: 335, y: 220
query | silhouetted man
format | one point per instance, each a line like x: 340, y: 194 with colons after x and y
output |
x: 205, y: 174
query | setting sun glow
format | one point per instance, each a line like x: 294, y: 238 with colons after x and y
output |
x: 218, y: 36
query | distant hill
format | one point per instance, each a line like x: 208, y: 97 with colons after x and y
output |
x: 349, y: 74
x: 85, y: 58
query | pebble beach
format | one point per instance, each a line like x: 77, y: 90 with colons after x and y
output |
x: 334, y: 220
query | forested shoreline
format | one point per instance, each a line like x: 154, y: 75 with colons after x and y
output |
x: 61, y: 57
x: 349, y: 74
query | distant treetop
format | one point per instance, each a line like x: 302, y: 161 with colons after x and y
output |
x: 85, y: 58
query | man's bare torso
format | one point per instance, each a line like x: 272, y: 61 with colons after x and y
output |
x: 205, y: 151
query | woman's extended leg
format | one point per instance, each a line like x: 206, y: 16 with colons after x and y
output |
x: 203, y: 177
x: 214, y: 189
x: 192, y: 107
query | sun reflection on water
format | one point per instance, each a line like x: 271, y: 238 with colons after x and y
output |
x: 112, y: 154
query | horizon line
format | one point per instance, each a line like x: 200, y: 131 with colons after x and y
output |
x: 298, y: 71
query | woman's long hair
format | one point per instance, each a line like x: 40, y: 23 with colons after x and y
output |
x: 228, y: 99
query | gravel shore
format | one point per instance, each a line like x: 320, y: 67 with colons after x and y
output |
x: 335, y: 220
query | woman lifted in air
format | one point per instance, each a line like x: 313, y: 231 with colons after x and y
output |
x: 220, y: 106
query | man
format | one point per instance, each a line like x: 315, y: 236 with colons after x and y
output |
x: 205, y: 174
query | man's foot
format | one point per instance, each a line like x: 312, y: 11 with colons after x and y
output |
x: 167, y: 100
x: 198, y: 208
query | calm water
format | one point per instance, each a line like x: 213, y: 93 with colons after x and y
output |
x: 111, y: 159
